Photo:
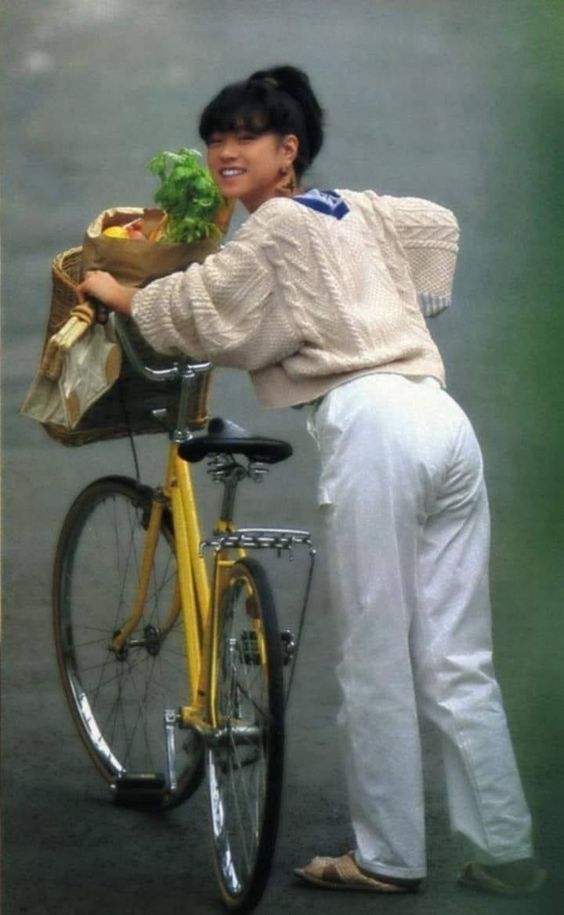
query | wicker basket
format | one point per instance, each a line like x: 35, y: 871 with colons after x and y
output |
x: 126, y: 408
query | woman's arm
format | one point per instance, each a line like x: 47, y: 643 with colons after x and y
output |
x: 225, y: 310
x: 429, y: 235
x: 228, y: 309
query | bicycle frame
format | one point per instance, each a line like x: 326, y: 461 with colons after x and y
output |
x: 193, y: 592
x: 195, y: 597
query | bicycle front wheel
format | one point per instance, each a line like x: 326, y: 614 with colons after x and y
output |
x: 118, y: 698
x: 245, y: 757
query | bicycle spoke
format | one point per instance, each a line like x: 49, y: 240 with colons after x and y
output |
x: 245, y: 769
x: 119, y: 697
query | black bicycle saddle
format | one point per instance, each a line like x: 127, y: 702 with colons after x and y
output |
x: 226, y: 437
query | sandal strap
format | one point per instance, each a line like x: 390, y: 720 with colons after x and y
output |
x: 344, y: 871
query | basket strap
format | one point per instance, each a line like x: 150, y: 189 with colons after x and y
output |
x: 83, y: 311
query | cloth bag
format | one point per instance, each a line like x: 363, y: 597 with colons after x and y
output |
x: 89, y: 369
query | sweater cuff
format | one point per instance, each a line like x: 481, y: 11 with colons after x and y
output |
x: 432, y: 304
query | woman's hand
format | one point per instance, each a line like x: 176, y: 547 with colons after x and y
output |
x: 101, y: 285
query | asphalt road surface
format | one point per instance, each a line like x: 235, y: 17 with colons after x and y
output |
x: 446, y: 99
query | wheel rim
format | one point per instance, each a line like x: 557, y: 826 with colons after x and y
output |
x: 240, y: 756
x: 119, y: 699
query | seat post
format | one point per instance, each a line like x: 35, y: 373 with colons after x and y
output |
x: 230, y: 475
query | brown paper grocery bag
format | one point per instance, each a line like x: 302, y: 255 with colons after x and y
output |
x: 138, y: 261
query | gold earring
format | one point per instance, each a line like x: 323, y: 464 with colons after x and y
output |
x: 288, y: 184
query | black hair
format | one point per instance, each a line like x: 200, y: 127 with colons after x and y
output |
x: 278, y: 100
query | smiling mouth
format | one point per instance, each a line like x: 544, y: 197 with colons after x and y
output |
x: 231, y: 172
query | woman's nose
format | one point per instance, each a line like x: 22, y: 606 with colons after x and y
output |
x: 228, y: 149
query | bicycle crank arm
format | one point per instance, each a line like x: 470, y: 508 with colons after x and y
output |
x: 171, y: 718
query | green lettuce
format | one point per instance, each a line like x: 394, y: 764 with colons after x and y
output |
x: 188, y: 195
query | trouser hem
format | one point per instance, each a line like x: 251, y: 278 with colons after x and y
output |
x: 506, y: 857
x: 379, y: 869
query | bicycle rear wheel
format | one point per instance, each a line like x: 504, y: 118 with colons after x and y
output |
x: 245, y: 759
x: 118, y: 699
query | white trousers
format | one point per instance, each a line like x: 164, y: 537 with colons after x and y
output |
x: 407, y: 526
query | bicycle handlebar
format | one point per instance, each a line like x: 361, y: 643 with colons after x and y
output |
x: 179, y: 369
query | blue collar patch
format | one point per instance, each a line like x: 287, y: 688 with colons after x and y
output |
x: 329, y: 202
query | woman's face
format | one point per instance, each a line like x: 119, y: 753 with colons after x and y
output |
x: 250, y: 168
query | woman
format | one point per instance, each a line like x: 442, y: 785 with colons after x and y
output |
x: 319, y: 296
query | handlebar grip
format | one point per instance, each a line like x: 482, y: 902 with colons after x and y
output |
x: 102, y: 311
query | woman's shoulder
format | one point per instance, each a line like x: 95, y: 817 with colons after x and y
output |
x: 278, y: 212
x: 404, y: 211
x: 308, y: 204
x: 330, y: 202
x: 292, y: 215
x: 289, y: 214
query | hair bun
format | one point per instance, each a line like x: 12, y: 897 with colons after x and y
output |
x: 296, y: 83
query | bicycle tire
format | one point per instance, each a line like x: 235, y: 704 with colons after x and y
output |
x: 117, y: 700
x: 245, y: 760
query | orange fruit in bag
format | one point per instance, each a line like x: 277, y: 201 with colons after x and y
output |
x: 116, y: 232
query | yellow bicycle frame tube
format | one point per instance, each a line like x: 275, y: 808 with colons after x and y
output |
x: 192, y: 593
x: 149, y: 547
x: 192, y: 598
x: 192, y: 573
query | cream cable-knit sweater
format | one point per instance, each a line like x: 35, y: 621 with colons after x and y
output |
x: 305, y: 301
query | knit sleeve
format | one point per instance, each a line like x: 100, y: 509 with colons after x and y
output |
x: 222, y: 310
x: 429, y: 235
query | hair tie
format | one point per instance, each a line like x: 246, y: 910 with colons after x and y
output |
x: 271, y: 81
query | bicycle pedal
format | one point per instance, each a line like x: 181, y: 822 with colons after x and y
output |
x: 144, y: 789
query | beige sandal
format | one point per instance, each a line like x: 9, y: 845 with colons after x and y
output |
x: 344, y: 874
x: 496, y: 880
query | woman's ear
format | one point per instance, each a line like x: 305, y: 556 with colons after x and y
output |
x: 290, y: 146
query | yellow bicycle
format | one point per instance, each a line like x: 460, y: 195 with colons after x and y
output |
x: 173, y: 662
